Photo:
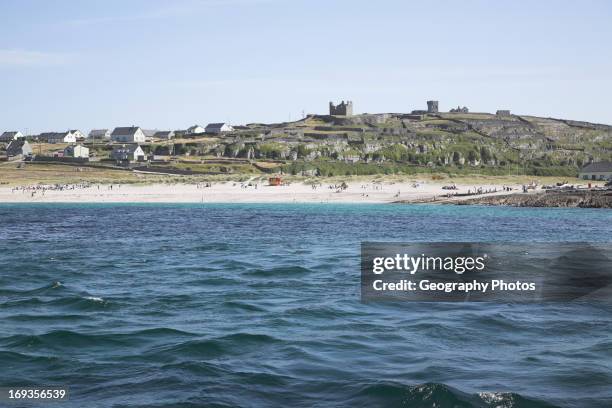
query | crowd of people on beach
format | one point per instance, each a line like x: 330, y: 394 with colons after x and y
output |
x: 368, y: 190
x: 374, y: 186
x: 43, y: 188
x: 480, y: 190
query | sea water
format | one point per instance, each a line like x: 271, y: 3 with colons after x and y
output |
x: 259, y: 305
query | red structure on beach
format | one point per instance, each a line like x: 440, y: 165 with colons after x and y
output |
x: 275, y: 181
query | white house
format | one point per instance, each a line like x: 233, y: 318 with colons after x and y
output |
x: 8, y: 136
x: 149, y: 132
x: 100, y: 134
x: 132, y: 134
x: 77, y: 134
x: 58, y: 137
x: 128, y: 153
x: 18, y: 148
x: 167, y: 134
x: 195, y: 129
x: 218, y: 128
x: 76, y: 151
x: 597, y: 171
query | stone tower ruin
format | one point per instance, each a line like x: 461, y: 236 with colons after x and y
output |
x: 342, y: 109
x: 432, y: 106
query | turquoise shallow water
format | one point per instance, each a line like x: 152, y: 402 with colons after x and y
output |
x: 258, y: 305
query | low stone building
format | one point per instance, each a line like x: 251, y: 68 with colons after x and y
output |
x: 503, y: 112
x: 597, y: 171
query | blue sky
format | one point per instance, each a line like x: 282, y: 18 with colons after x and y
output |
x: 170, y: 64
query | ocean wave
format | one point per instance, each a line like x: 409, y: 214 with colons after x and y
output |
x: 249, y: 338
x: 197, y: 367
x: 281, y: 271
x: 61, y: 317
x: 62, y: 339
x: 321, y: 312
x: 440, y: 396
x: 12, y: 357
x: 242, y: 306
x: 191, y: 349
x: 212, y: 246
x: 161, y: 332
x: 82, y: 303
x: 215, y: 347
x: 74, y: 303
x: 511, y: 400
x: 213, y: 281
x: 232, y: 264
x: 53, y: 286
x: 284, y: 391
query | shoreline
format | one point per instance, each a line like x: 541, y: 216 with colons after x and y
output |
x: 551, y: 199
x: 352, y: 192
x: 245, y: 192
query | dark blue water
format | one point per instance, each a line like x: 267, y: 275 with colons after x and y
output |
x: 258, y: 305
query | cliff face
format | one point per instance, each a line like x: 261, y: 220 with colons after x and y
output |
x: 593, y: 199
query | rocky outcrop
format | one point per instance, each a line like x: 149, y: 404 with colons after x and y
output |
x: 586, y: 199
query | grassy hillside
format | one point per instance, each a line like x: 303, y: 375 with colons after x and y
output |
x: 455, y: 144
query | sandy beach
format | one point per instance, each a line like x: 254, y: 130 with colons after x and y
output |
x: 237, y: 192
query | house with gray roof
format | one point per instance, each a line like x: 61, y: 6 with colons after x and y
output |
x: 164, y: 134
x: 18, y: 148
x: 597, y: 171
x: 128, y: 153
x: 8, y: 136
x: 77, y: 151
x: 131, y: 134
x: 195, y: 130
x: 58, y: 137
x: 77, y: 134
x: 218, y: 128
x: 149, y: 132
x: 99, y: 134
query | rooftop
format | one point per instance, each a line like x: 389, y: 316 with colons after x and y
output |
x: 130, y: 130
x: 598, y: 167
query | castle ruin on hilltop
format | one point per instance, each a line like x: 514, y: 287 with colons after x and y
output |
x: 432, y: 106
x: 460, y: 109
x: 342, y: 109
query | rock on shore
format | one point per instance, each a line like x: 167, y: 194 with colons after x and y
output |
x: 586, y: 199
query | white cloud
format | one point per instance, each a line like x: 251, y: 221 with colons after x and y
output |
x: 30, y: 58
